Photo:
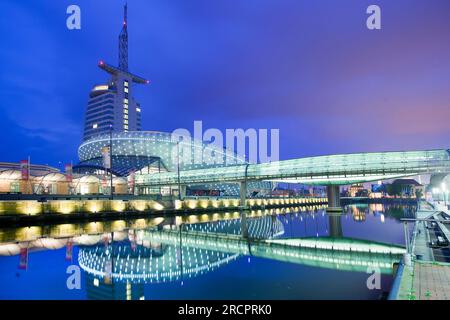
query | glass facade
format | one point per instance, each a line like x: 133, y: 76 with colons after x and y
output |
x: 138, y: 150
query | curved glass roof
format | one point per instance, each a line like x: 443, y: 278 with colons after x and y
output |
x: 193, y: 154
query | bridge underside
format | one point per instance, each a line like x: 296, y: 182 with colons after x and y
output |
x: 344, y: 180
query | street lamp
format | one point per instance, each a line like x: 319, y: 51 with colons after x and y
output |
x: 444, y: 192
x: 178, y: 169
x: 110, y: 162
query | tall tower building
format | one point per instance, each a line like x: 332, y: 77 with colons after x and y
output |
x: 112, y: 105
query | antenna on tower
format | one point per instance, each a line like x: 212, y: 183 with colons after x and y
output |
x: 125, y: 9
x: 123, y: 42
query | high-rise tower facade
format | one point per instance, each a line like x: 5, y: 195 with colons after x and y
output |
x: 112, y: 105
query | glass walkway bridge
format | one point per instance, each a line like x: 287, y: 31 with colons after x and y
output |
x: 322, y: 170
x: 332, y: 171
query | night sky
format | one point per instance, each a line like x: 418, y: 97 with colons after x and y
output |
x: 308, y: 67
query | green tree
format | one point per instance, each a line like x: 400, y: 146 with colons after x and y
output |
x: 419, y: 193
x: 394, y: 189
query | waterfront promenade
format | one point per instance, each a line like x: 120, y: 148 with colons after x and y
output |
x: 425, y: 281
x: 421, y: 276
x: 32, y: 211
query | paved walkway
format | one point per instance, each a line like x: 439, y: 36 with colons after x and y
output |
x: 425, y: 210
x: 425, y: 281
x: 422, y: 238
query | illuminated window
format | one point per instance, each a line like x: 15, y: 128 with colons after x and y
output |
x: 94, y: 126
x: 125, y: 90
x: 125, y: 116
x: 125, y: 101
x: 125, y: 121
x: 138, y: 109
x: 125, y: 84
x: 96, y: 282
x: 125, y: 111
x: 125, y: 126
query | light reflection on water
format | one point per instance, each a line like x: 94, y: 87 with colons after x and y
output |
x: 122, y: 260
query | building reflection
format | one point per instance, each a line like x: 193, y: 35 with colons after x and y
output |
x: 119, y: 269
x: 335, y: 225
x: 358, y: 212
x: 100, y: 290
x: 170, y: 254
x: 118, y: 260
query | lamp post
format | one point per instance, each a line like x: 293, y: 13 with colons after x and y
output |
x: 29, y: 175
x: 444, y: 193
x: 110, y: 162
x: 178, y: 169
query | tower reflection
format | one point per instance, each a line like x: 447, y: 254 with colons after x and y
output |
x: 119, y: 269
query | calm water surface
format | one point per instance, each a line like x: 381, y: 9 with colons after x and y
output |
x: 149, y: 259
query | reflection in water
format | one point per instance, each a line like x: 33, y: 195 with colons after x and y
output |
x: 117, y: 270
x: 360, y: 211
x: 145, y: 260
x: 335, y: 225
x: 119, y: 258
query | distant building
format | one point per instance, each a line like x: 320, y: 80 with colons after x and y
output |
x: 363, y: 193
x: 377, y: 191
x: 407, y: 187
x: 355, y: 189
x: 282, y: 193
x: 318, y: 191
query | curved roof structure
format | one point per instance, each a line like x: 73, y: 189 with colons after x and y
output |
x: 11, y: 249
x: 35, y: 169
x: 52, y: 177
x: 150, y: 152
x: 149, y: 265
x: 153, y: 144
x: 88, y: 179
x: 119, y: 180
x: 10, y: 175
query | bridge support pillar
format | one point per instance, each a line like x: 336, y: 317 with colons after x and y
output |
x: 335, y: 225
x: 244, y: 225
x: 168, y: 221
x: 242, y: 204
x: 242, y: 192
x: 182, y: 192
x: 334, y: 199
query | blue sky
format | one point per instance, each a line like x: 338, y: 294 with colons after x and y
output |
x: 310, y: 68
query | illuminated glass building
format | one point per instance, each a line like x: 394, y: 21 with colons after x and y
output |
x: 154, y: 152
x: 113, y: 118
x: 112, y: 106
